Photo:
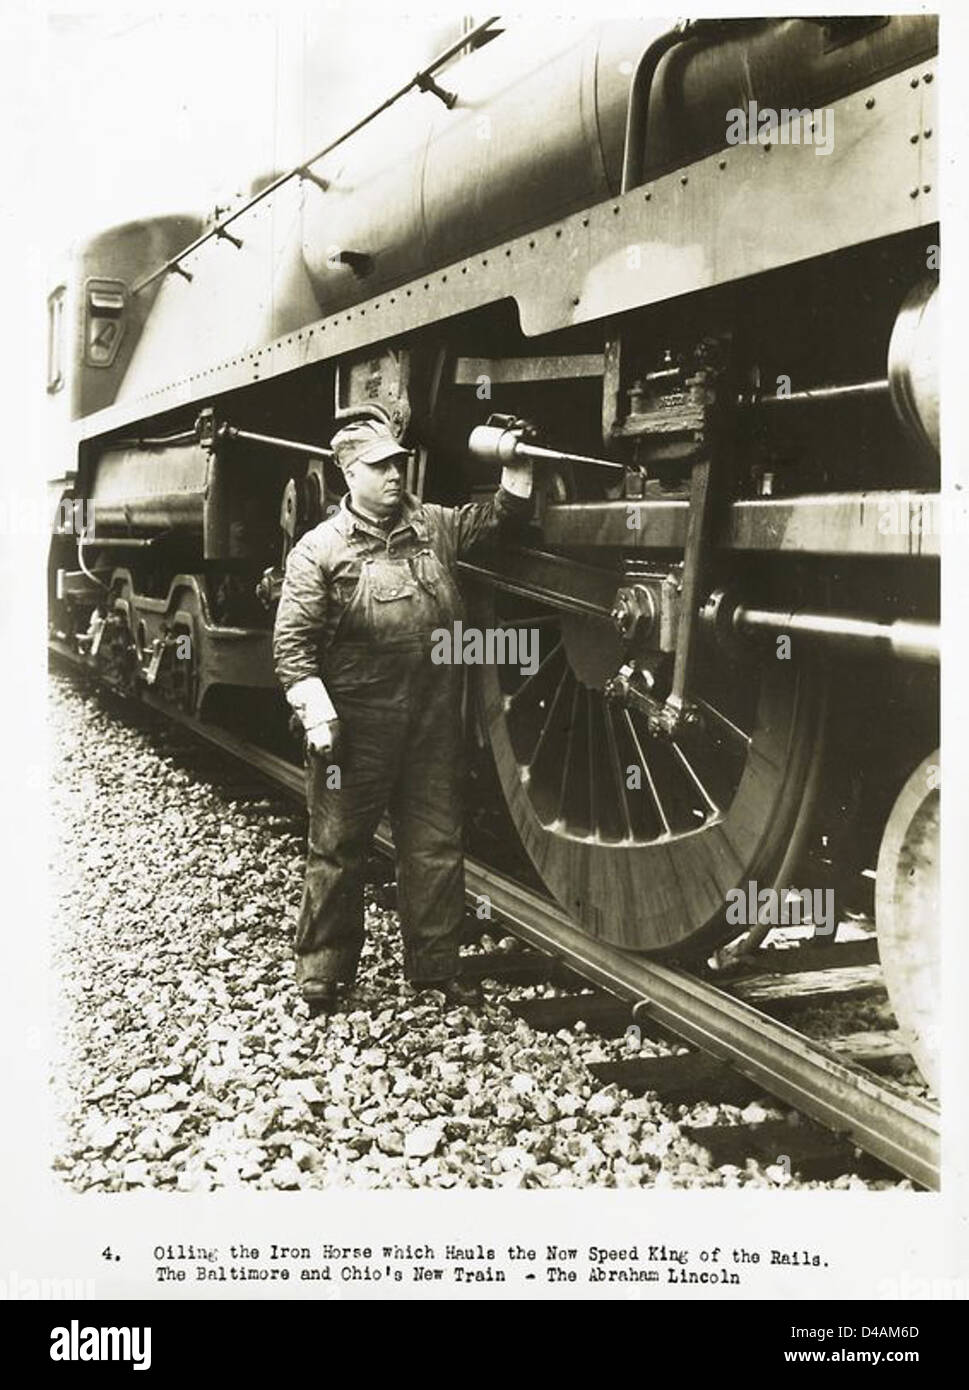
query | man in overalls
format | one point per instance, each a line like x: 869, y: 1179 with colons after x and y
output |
x: 362, y: 595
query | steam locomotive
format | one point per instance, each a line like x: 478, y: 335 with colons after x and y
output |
x: 716, y: 331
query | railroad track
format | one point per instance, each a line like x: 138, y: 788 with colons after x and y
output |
x: 741, y: 1046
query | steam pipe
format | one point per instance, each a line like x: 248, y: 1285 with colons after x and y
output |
x: 642, y: 84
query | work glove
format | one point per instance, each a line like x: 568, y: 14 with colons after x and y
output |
x: 517, y: 478
x: 323, y: 738
x: 315, y: 711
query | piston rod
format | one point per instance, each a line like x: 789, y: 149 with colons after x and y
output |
x: 812, y: 395
x: 906, y: 639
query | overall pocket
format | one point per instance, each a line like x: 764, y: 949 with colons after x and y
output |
x: 438, y: 582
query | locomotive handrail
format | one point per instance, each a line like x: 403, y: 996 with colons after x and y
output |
x: 227, y: 431
x: 422, y: 80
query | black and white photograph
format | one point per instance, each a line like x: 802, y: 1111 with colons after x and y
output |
x: 486, y: 496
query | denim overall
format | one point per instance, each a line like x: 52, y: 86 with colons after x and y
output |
x: 400, y: 751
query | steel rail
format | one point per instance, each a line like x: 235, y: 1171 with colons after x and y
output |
x: 901, y: 1130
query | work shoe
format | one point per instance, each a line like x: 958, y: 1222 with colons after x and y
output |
x: 322, y: 998
x: 456, y: 992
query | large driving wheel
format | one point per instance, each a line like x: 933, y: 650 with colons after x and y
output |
x: 640, y: 838
x: 907, y: 914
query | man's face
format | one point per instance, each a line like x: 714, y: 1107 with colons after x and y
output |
x: 377, y: 488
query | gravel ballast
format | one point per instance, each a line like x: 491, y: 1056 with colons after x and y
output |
x: 186, y: 1058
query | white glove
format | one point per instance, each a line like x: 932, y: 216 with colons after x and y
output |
x: 516, y: 478
x: 322, y: 738
x: 311, y: 702
x: 315, y: 711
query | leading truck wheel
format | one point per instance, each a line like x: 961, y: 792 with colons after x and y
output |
x: 907, y: 914
x: 640, y: 838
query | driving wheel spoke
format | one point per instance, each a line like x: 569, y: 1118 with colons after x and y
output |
x: 616, y: 763
x: 647, y: 773
x: 512, y: 699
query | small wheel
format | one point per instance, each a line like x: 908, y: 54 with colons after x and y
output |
x: 179, y: 678
x: 907, y: 914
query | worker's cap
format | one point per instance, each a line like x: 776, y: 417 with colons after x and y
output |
x: 365, y: 441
